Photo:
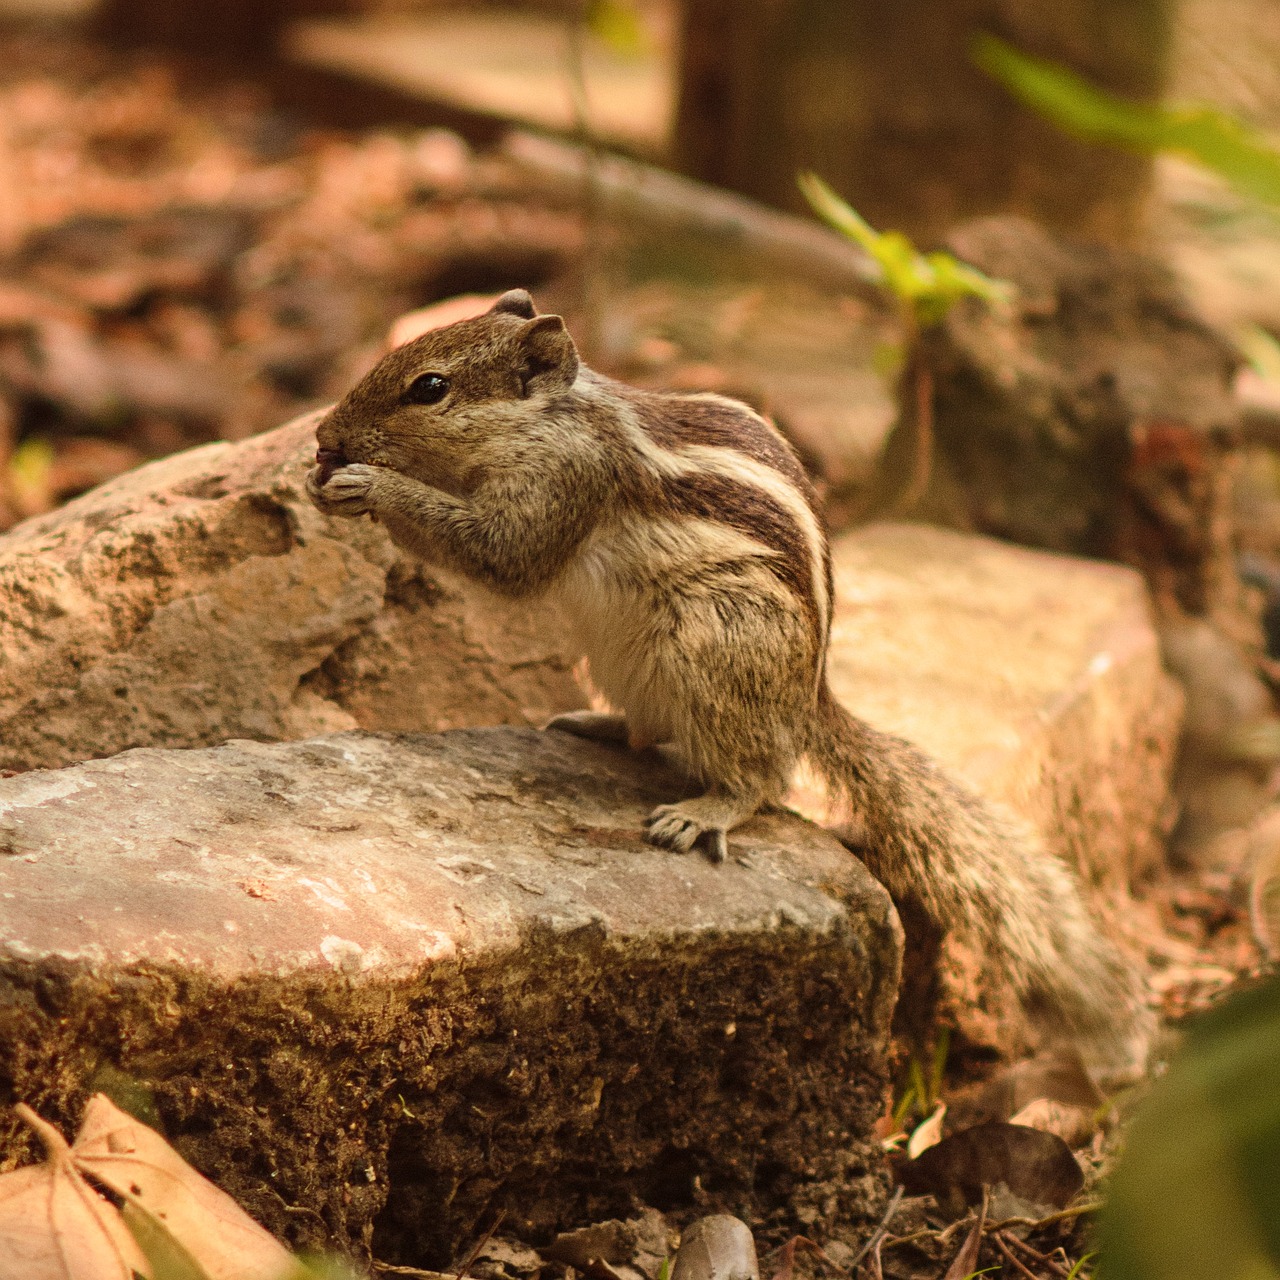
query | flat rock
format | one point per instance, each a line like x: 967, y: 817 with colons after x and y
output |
x: 1035, y: 677
x: 382, y: 986
x: 202, y: 597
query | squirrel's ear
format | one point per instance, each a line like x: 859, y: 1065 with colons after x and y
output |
x: 515, y: 302
x: 549, y: 360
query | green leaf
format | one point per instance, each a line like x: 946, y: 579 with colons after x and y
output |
x: 926, y: 286
x: 1215, y: 139
x: 1196, y: 1195
x: 617, y: 24
x: 29, y: 473
x: 1261, y: 350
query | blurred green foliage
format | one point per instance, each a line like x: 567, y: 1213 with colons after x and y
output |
x: 1213, y: 138
x: 925, y: 285
x: 618, y: 25
x: 1196, y: 1194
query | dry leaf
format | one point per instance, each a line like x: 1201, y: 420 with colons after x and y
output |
x: 928, y: 1133
x: 54, y: 1226
x: 1074, y: 1125
x: 1035, y: 1165
x: 965, y: 1263
x: 137, y: 1164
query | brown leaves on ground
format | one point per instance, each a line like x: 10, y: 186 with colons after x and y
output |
x: 54, y: 1224
x: 182, y: 263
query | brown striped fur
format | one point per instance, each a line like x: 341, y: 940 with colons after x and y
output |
x: 686, y: 548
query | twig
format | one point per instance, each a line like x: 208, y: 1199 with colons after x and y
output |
x: 892, y: 1242
x: 966, y: 1261
x: 389, y: 1268
x: 959, y: 1224
x: 877, y: 1271
x: 480, y: 1244
x: 878, y: 1234
x: 304, y: 1209
x: 998, y: 1237
x: 1090, y: 1206
x: 789, y: 1250
x: 922, y: 452
x: 1044, y: 1259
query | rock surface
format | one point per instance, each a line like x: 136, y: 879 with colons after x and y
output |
x: 202, y: 598
x: 382, y: 986
x: 1035, y: 677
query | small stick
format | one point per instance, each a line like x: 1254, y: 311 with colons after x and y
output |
x: 877, y: 1271
x: 1043, y: 1258
x: 922, y: 436
x: 1063, y: 1215
x: 480, y: 1244
x: 892, y: 1242
x: 998, y: 1237
x: 878, y: 1234
x: 959, y: 1224
x: 794, y: 1243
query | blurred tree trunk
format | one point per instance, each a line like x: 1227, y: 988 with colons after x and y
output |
x: 880, y: 98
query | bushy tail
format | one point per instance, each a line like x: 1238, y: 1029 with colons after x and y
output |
x: 982, y: 876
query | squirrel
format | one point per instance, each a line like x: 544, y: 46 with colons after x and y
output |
x: 686, y: 547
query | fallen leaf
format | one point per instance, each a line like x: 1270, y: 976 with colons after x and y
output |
x: 928, y: 1133
x: 1035, y: 1165
x: 54, y: 1226
x: 502, y: 1257
x: 1074, y: 1125
x: 610, y: 1242
x: 205, y: 1222
x: 965, y: 1263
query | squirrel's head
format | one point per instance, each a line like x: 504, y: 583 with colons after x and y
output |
x: 441, y: 407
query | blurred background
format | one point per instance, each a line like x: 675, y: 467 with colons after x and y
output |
x: 211, y: 212
x: 1056, y: 320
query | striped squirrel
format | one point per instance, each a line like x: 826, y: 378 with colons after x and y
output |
x: 686, y: 548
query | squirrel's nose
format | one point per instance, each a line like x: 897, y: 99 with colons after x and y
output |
x: 329, y: 460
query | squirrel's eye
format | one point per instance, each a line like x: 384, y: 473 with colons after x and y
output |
x: 427, y: 388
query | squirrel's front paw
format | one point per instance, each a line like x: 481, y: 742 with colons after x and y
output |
x: 343, y: 491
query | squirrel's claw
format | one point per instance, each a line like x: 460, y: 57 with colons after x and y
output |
x: 343, y: 491
x: 672, y: 829
x: 668, y: 827
x: 717, y: 844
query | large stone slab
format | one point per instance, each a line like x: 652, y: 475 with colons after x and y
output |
x: 381, y: 986
x: 1036, y: 677
x: 202, y: 598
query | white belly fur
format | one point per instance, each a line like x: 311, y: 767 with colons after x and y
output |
x: 619, y: 597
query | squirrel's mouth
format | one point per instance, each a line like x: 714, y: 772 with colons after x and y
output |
x: 329, y: 460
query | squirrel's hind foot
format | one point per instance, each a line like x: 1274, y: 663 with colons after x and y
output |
x: 706, y: 819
